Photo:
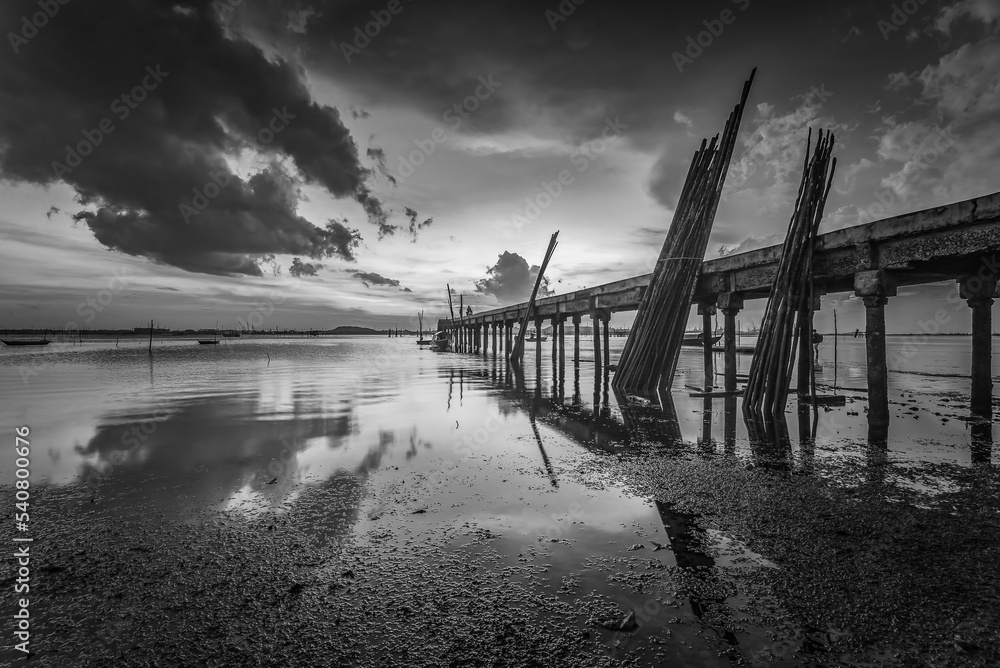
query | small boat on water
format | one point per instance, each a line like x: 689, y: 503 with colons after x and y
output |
x: 213, y: 341
x: 26, y: 342
x: 441, y: 342
x: 697, y: 339
x: 533, y: 336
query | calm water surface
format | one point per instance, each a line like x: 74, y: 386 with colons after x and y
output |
x: 243, y: 426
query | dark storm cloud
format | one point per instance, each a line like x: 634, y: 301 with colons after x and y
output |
x: 414, y: 225
x: 300, y: 268
x: 510, y: 279
x: 605, y: 58
x: 370, y: 278
x: 192, y: 96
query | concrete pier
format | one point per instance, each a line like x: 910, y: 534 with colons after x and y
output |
x: 936, y: 244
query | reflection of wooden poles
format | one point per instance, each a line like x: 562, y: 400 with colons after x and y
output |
x: 541, y: 448
x: 517, y: 349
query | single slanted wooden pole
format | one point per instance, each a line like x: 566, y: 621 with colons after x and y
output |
x: 517, y: 350
x: 150, y: 337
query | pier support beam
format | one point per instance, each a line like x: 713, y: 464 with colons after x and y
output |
x: 707, y: 311
x: 555, y: 340
x: 731, y: 303
x: 538, y: 342
x: 875, y: 287
x: 606, y: 319
x: 806, y: 349
x: 576, y: 341
x: 979, y: 293
x: 562, y: 347
x: 595, y: 317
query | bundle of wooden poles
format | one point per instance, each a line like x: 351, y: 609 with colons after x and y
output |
x: 649, y: 358
x: 788, y: 315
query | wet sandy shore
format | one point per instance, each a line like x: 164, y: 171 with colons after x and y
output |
x: 861, y: 569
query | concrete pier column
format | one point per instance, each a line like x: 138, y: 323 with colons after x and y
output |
x: 878, y: 372
x: 806, y: 349
x: 596, y: 321
x: 555, y: 339
x: 875, y: 287
x: 606, y: 319
x: 576, y: 340
x: 562, y: 347
x: 538, y: 341
x: 707, y: 311
x: 979, y: 293
x: 731, y: 303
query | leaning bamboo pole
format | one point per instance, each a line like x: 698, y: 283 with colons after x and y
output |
x: 516, y: 353
x: 649, y: 357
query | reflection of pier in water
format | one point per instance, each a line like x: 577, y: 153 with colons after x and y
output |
x: 645, y: 420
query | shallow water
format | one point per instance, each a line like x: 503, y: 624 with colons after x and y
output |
x: 416, y: 441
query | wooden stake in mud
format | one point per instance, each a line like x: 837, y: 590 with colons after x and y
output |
x: 150, y: 337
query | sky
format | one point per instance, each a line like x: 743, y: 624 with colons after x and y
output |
x: 340, y: 163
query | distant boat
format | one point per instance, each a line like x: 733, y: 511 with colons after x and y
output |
x: 696, y: 339
x: 26, y: 342
x: 441, y: 342
x: 531, y: 338
x: 212, y: 341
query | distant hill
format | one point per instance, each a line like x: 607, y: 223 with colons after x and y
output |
x: 355, y: 330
